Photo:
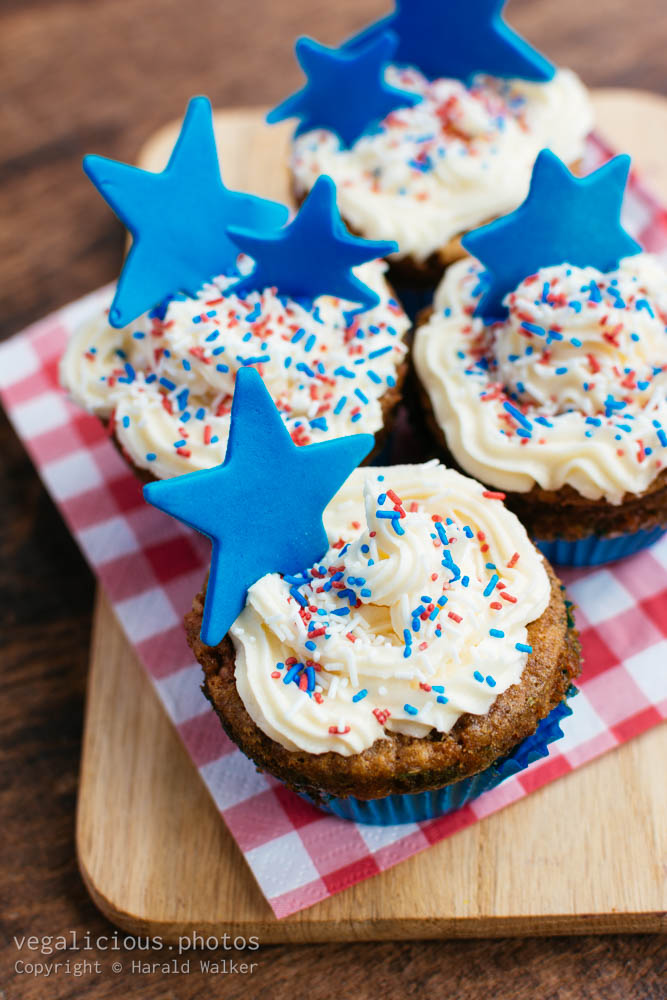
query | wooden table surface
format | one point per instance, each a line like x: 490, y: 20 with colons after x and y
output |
x: 79, y: 76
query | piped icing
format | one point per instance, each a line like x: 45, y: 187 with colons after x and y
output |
x: 570, y: 389
x: 430, y: 172
x: 416, y: 615
x: 167, y: 384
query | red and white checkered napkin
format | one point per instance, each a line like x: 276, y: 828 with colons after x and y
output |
x: 151, y: 567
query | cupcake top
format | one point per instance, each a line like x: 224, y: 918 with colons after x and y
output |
x: 570, y: 388
x: 429, y: 172
x: 416, y: 615
x: 167, y: 384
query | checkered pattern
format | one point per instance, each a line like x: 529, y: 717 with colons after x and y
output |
x: 151, y: 567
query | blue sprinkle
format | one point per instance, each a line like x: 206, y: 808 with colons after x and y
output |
x: 167, y: 383
x: 441, y: 700
x: 361, y: 396
x: 491, y: 681
x: 411, y: 710
x: 518, y: 415
x: 298, y: 597
x: 126, y: 421
x: 491, y: 585
x: 376, y: 354
x: 523, y: 647
x: 151, y: 456
x: 292, y: 673
x: 534, y: 328
x: 497, y: 633
x: 644, y: 304
x: 360, y: 695
x: 478, y: 677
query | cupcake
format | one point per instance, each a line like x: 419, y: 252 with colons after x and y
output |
x: 165, y: 385
x: 473, y: 107
x: 561, y: 402
x: 421, y: 660
x: 312, y: 311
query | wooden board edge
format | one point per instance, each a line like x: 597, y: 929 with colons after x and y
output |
x: 416, y: 929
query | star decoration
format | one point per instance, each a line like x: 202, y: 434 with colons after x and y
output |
x: 564, y: 220
x: 346, y: 90
x: 262, y: 508
x: 311, y: 256
x: 457, y: 39
x: 177, y: 218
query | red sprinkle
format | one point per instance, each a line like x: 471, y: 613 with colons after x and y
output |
x: 493, y: 495
x: 455, y: 618
x: 513, y: 561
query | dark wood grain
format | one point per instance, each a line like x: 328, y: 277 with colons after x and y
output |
x: 78, y: 76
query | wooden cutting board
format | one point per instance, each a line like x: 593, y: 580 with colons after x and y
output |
x: 584, y: 854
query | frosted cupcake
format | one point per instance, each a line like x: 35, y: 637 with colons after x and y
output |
x: 480, y: 103
x: 561, y: 404
x: 311, y: 311
x: 424, y: 658
x: 165, y: 385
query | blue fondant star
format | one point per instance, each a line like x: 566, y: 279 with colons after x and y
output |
x: 311, y: 256
x: 346, y: 90
x: 177, y: 218
x: 262, y: 508
x: 458, y: 38
x: 564, y: 220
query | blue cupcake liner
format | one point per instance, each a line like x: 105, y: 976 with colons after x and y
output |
x: 414, y: 807
x: 595, y: 550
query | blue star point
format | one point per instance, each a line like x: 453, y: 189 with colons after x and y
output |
x: 459, y: 38
x: 177, y: 218
x: 262, y: 508
x: 346, y: 90
x: 311, y: 256
x: 564, y: 219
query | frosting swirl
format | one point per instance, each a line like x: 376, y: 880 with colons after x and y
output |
x: 570, y: 389
x: 416, y: 615
x: 167, y: 385
x: 461, y: 156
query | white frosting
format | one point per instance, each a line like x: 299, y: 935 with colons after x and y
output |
x: 168, y: 385
x: 582, y: 361
x: 414, y: 635
x: 455, y: 160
